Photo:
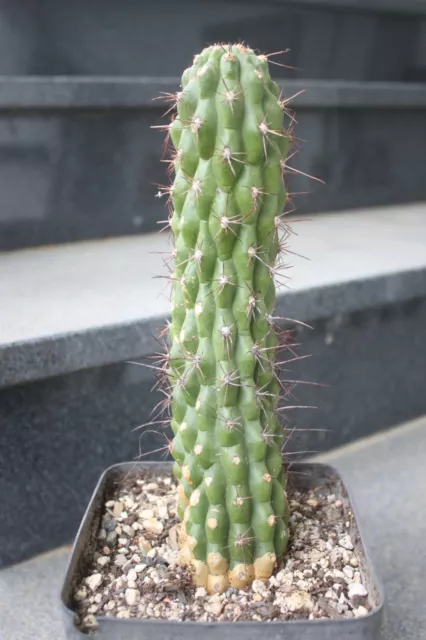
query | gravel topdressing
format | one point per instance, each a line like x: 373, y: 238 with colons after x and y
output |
x: 134, y: 571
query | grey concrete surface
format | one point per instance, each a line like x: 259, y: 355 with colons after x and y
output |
x: 385, y: 473
x: 94, y: 303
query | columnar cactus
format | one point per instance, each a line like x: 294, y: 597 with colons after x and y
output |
x: 226, y: 203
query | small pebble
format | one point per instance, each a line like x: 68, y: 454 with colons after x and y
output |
x: 103, y: 561
x: 146, y: 513
x: 348, y: 572
x: 94, y: 581
x: 312, y: 502
x: 360, y: 611
x: 132, y: 597
x: 81, y: 594
x: 357, y: 589
x: 143, y: 544
x: 90, y: 622
x: 299, y: 600
x: 259, y: 587
x: 132, y: 575
x: 109, y: 525
x: 111, y: 537
x: 152, y: 525
x: 346, y: 542
x: 117, y: 509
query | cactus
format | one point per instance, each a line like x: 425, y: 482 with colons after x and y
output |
x: 226, y: 205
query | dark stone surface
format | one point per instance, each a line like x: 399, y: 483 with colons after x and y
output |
x: 86, y: 174
x: 350, y: 39
x: 57, y: 435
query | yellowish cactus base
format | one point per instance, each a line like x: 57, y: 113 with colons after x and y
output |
x: 214, y: 575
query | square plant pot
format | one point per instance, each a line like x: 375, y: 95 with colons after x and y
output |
x: 306, y: 476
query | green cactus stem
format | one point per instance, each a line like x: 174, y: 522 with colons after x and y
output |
x: 226, y: 203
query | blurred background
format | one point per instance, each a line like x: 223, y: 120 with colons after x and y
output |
x: 78, y: 167
x: 76, y: 104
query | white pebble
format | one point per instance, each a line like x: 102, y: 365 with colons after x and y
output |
x: 90, y: 622
x: 259, y: 587
x: 284, y: 576
x: 128, y: 530
x: 356, y: 589
x: 103, y: 560
x: 346, y: 542
x: 94, y: 581
x: 163, y: 513
x: 132, y: 575
x: 360, y: 611
x: 299, y: 600
x: 132, y: 597
x: 146, y: 513
x: 93, y: 608
x: 200, y: 592
x: 81, y: 594
x: 348, y: 572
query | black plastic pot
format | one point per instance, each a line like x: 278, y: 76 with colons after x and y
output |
x: 307, y: 475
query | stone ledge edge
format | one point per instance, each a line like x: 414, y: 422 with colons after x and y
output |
x: 22, y: 93
x: 54, y: 355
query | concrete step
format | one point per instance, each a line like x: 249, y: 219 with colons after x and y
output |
x: 93, y: 303
x: 387, y: 476
x: 72, y: 317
